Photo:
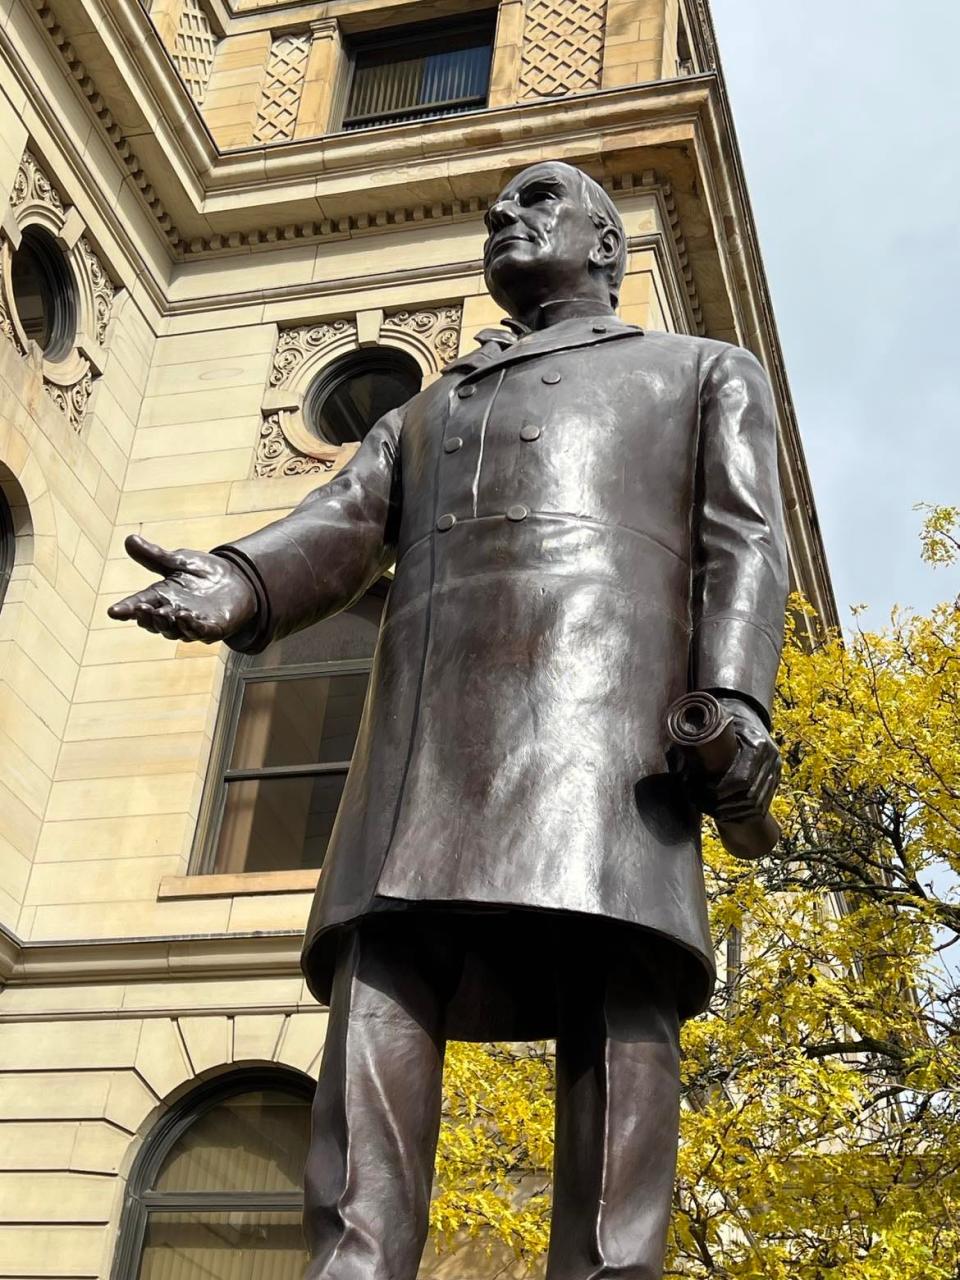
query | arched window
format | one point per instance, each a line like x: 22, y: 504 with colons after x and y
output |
x: 216, y: 1191
x: 8, y: 543
x: 350, y: 395
x: 288, y: 723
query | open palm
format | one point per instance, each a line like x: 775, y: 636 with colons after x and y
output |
x: 199, y: 597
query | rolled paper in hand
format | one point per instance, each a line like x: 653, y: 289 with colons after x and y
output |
x: 697, y: 725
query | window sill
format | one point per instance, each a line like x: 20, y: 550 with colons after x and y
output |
x: 240, y: 884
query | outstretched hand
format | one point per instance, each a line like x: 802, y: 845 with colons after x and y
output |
x: 199, y: 597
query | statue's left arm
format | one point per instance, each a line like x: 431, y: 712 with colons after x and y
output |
x: 740, y: 576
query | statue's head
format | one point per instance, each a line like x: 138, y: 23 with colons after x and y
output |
x: 553, y: 233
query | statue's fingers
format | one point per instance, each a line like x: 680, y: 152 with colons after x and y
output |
x: 194, y: 626
x: 152, y: 556
x: 133, y: 606
x: 145, y: 615
x: 123, y: 610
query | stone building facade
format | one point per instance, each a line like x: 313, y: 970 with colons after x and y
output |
x: 226, y: 228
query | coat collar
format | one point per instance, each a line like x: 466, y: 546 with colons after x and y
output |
x: 501, y: 347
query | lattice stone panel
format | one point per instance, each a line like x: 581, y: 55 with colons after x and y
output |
x: 194, y: 48
x: 286, y: 69
x: 562, y: 47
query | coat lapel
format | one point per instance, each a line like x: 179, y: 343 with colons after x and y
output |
x: 499, y: 348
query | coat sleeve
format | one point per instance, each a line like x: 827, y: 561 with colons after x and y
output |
x: 324, y: 555
x: 740, y: 554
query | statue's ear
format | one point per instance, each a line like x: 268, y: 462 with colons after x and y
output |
x: 608, y: 246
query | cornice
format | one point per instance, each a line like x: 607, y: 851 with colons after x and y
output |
x: 235, y: 955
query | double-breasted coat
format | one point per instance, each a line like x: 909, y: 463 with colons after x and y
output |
x: 584, y: 524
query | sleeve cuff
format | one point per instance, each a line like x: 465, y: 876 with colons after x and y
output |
x: 256, y: 635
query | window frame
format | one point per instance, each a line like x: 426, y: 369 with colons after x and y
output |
x: 483, y: 19
x: 59, y: 294
x: 241, y: 672
x: 139, y: 1198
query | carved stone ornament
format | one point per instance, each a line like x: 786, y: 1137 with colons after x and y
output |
x: 562, y: 47
x: 287, y: 446
x: 68, y: 377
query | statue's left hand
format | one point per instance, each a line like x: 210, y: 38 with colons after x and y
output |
x: 745, y: 791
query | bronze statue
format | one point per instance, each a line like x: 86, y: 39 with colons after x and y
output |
x: 585, y: 520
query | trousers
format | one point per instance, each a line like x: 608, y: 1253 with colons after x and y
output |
x: 376, y: 1114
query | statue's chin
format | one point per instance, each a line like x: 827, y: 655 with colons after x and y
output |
x: 507, y: 278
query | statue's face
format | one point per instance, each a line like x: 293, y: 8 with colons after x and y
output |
x: 541, y: 239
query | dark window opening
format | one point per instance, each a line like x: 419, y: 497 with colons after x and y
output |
x: 8, y: 544
x: 419, y: 73
x: 216, y: 1189
x: 346, y: 399
x: 289, y: 724
x: 44, y: 293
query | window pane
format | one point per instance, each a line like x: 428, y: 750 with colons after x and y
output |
x: 252, y: 1142
x: 305, y: 720
x: 348, y: 412
x: 351, y: 634
x: 239, y: 1245
x: 31, y: 289
x: 278, y: 824
x: 430, y: 74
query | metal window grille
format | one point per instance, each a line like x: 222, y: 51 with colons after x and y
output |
x: 420, y: 73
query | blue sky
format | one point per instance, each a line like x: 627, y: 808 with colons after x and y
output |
x: 848, y: 116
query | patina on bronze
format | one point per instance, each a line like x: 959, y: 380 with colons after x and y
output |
x: 514, y: 857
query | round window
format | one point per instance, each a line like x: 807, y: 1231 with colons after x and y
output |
x: 44, y: 293
x: 346, y: 399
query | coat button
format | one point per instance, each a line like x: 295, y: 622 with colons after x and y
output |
x: 551, y: 379
x: 599, y: 328
x: 466, y: 392
x: 518, y: 512
x: 452, y: 445
x: 446, y: 522
x: 530, y: 431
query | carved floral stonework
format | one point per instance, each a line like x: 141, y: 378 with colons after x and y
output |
x: 295, y: 345
x: 102, y: 288
x: 68, y: 380
x: 286, y: 447
x: 71, y: 401
x: 440, y: 328
x: 6, y: 321
x: 32, y: 185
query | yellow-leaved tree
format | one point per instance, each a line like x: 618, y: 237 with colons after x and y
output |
x: 821, y: 1131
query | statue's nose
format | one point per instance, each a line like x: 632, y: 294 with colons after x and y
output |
x: 501, y: 214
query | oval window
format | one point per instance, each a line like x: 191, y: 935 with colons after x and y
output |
x: 348, y: 397
x: 44, y: 293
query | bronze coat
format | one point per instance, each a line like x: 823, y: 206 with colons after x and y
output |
x: 584, y: 525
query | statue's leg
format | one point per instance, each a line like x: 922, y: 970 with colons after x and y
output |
x: 618, y: 1108
x: 376, y: 1114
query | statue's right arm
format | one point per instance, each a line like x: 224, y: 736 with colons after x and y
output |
x: 311, y: 563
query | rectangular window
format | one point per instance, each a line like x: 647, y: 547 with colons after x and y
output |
x: 420, y: 73
x: 288, y: 724
x: 291, y: 753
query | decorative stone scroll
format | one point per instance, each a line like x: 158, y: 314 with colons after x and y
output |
x: 280, y: 100
x: 562, y: 47
x: 68, y: 378
x: 287, y: 446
